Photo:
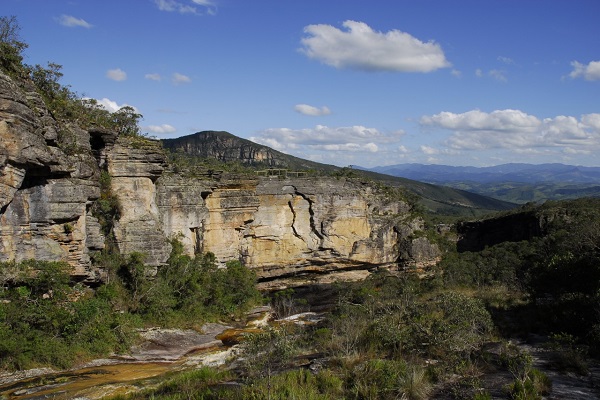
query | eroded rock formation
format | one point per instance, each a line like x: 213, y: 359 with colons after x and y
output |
x: 45, y: 191
x: 280, y: 227
x: 284, y: 227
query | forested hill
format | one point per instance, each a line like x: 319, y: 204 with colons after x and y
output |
x: 225, y: 147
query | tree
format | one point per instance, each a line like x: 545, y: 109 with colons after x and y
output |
x: 125, y: 121
x: 11, y: 46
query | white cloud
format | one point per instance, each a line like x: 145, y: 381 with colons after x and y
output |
x: 591, y: 121
x: 360, y: 47
x: 72, y: 22
x: 506, y: 60
x: 348, y: 145
x: 323, y: 138
x: 110, y: 105
x: 161, y: 129
x: 430, y: 151
x: 187, y: 7
x: 456, y: 73
x: 498, y: 75
x: 116, y: 74
x: 590, y: 72
x: 476, y: 120
x: 311, y: 110
x: 178, y: 79
x: 153, y: 77
x: 515, y: 130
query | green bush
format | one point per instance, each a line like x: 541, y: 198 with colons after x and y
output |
x: 46, y: 321
x: 191, y: 289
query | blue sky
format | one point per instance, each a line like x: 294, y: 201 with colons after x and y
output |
x: 345, y: 82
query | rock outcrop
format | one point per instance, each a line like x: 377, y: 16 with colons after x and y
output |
x: 476, y: 235
x: 286, y: 227
x: 281, y: 227
x: 45, y: 191
x: 134, y: 165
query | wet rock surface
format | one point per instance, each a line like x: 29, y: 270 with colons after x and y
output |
x: 160, y: 352
x: 172, y: 344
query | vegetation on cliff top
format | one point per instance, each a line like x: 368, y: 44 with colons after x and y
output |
x: 64, y: 104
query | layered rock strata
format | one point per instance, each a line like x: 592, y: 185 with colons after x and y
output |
x: 46, y: 192
x: 289, y: 227
x: 50, y: 179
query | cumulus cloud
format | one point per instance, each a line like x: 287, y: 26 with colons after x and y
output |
x: 110, y: 105
x: 116, y: 74
x: 360, y: 47
x: 323, y: 138
x: 498, y: 74
x: 429, y: 150
x: 153, y: 77
x: 590, y: 72
x: 311, y: 110
x: 160, y: 129
x: 591, y: 121
x: 515, y: 130
x: 187, y: 7
x: 178, y: 79
x: 73, y: 22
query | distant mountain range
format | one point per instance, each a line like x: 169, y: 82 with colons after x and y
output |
x: 515, y: 182
x: 522, y: 173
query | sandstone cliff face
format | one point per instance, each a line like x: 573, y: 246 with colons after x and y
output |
x: 45, y: 194
x: 289, y: 227
x: 134, y: 165
x: 49, y: 180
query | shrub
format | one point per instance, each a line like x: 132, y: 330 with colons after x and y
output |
x: 376, y: 379
x: 414, y: 384
x: 42, y: 324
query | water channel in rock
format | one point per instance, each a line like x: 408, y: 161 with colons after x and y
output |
x: 162, y: 352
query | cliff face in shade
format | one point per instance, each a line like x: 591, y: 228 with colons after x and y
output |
x: 282, y: 228
x: 46, y: 191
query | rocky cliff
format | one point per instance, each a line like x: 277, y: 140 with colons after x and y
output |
x: 476, y: 235
x: 45, y: 191
x: 290, y: 227
x: 50, y: 180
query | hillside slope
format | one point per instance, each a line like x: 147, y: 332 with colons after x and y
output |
x: 225, y: 147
